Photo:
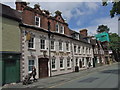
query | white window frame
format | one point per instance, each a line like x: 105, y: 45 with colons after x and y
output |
x: 83, y: 61
x: 61, y: 29
x: 30, y: 42
x: 67, y: 48
x: 57, y: 28
x: 76, y: 60
x: 79, y: 49
x: 30, y: 65
x: 83, y: 49
x: 53, y: 45
x: 44, y: 44
x: 61, y: 46
x: 86, y: 51
x: 75, y: 49
x: 54, y: 64
x: 77, y: 36
x: 37, y: 21
x: 62, y: 63
x: 69, y: 63
x: 89, y: 51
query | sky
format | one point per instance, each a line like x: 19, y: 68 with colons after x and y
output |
x: 81, y: 15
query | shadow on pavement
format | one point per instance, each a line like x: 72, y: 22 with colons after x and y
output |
x: 114, y: 71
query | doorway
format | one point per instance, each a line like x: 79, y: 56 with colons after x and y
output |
x: 43, y: 67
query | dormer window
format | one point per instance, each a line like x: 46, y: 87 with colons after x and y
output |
x: 77, y: 36
x: 57, y: 28
x: 37, y: 21
x: 61, y: 29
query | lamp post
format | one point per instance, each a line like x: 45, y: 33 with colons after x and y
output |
x: 49, y: 34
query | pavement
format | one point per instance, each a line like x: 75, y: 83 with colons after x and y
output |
x: 54, y: 80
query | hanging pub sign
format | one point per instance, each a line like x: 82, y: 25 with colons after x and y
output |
x: 28, y: 36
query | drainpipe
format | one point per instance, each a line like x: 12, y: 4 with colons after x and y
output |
x: 49, y: 34
x: 93, y: 47
x: 72, y: 56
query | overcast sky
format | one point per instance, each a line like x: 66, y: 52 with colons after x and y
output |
x: 81, y: 14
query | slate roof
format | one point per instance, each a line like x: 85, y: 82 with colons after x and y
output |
x: 10, y: 13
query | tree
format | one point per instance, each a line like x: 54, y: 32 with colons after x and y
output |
x: 114, y: 45
x: 115, y: 8
x: 102, y: 28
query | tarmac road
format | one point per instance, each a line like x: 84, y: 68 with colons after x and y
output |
x: 99, y: 77
x: 106, y: 78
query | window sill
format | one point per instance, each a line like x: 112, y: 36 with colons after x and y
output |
x: 42, y: 50
x: 54, y: 70
x: 53, y: 51
x: 37, y: 25
x: 61, y: 51
x: 31, y: 49
x: 69, y: 68
x: 68, y: 51
x: 62, y: 69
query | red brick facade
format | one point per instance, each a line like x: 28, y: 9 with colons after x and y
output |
x: 28, y: 16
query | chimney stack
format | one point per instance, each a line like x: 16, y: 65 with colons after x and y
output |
x: 83, y: 32
x: 20, y: 4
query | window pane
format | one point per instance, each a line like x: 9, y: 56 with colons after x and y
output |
x: 75, y: 48
x: 30, y: 64
x: 61, y: 63
x: 53, y: 63
x: 68, y: 62
x: 42, y: 44
x: 52, y: 44
x: 67, y: 46
x: 56, y: 27
x: 37, y: 20
x: 31, y: 43
x: 60, y: 45
x: 79, y: 49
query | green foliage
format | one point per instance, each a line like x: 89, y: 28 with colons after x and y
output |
x: 115, y: 8
x: 102, y: 28
x: 114, y: 41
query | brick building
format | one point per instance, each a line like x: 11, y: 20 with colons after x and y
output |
x: 49, y: 44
